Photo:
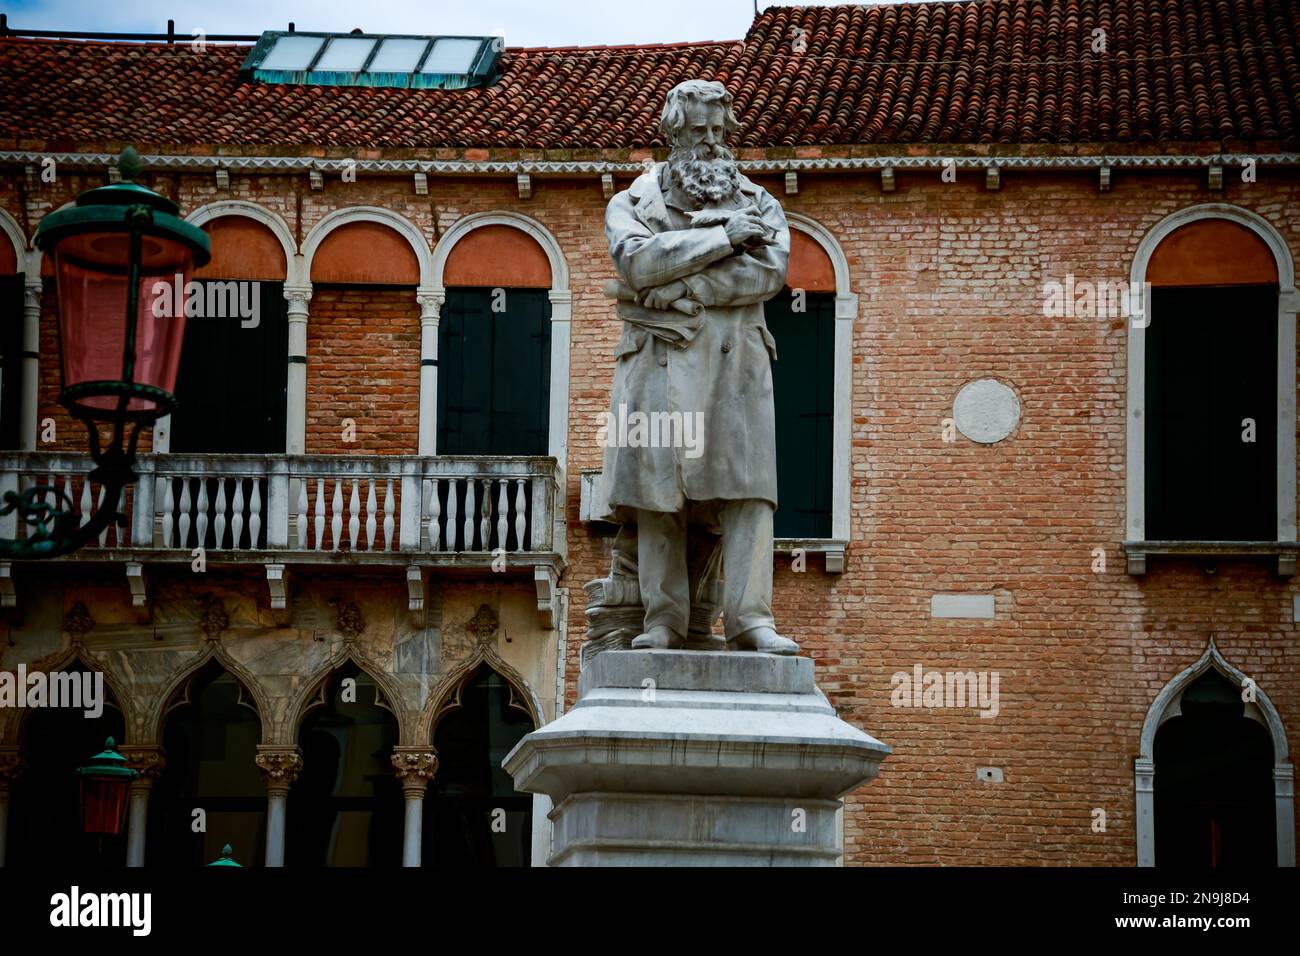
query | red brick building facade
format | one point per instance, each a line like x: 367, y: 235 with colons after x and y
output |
x: 943, y: 165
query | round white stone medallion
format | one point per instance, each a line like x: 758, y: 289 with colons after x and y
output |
x: 986, y: 411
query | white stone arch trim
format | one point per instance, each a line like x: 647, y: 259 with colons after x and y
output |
x: 251, y: 210
x: 12, y: 719
x: 1166, y: 706
x: 846, y: 311
x: 561, y: 344
x: 377, y: 214
x: 440, y: 701
x: 306, y: 701
x: 14, y: 233
x: 1288, y: 301
x: 212, y: 650
x: 501, y: 217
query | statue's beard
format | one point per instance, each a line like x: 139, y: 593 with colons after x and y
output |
x: 707, y: 173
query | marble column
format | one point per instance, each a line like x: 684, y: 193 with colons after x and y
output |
x: 280, y: 767
x: 11, y: 768
x: 149, y: 762
x: 28, y: 427
x: 430, y: 310
x: 295, y: 438
x: 415, y: 768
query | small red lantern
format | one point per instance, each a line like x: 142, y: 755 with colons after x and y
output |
x: 105, y: 790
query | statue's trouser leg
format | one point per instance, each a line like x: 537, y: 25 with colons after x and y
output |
x: 746, y: 566
x: 661, y: 570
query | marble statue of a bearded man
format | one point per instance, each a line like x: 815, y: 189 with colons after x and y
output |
x: 699, y: 249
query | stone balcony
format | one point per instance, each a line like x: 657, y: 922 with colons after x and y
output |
x: 283, y: 512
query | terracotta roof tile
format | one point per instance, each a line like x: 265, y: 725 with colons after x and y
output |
x: 975, y: 72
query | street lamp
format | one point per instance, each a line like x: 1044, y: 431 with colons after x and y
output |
x: 105, y: 783
x: 225, y: 857
x: 118, y: 253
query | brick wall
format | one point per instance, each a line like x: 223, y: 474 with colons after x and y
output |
x: 363, y: 364
x: 950, y: 279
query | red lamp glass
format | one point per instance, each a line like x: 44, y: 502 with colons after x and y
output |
x: 105, y: 790
x: 122, y: 259
x: 94, y: 290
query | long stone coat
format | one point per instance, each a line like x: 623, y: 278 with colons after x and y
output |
x: 724, y: 372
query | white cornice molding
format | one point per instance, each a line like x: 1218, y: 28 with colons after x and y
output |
x: 290, y: 164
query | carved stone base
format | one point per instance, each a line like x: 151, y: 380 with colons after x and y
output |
x: 696, y: 758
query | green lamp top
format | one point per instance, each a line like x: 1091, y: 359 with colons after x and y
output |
x: 225, y: 857
x: 106, y: 209
x: 108, y: 763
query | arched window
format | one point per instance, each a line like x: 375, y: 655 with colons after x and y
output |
x: 210, y: 743
x: 230, y: 390
x: 494, y: 345
x: 802, y: 320
x: 45, y: 809
x: 1211, y: 389
x: 1213, y: 778
x: 345, y: 808
x: 363, y: 341
x: 473, y: 816
x: 1211, y: 386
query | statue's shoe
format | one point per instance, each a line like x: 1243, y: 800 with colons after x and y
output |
x: 658, y: 638
x: 762, y: 639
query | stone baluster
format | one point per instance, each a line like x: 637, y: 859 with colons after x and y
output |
x: 254, y: 512
x: 237, y: 517
x: 320, y: 513
x: 219, y: 521
x: 390, y: 519
x: 336, y: 523
x: 521, y: 515
x: 372, y: 524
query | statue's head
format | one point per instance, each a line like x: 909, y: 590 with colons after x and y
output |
x: 696, y: 120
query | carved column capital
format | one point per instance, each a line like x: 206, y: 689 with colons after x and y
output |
x: 415, y: 768
x: 297, y: 295
x: 147, y: 761
x: 11, y: 767
x: 280, y: 767
x: 430, y: 305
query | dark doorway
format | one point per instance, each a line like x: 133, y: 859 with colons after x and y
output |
x: 210, y: 744
x: 346, y: 807
x: 1214, y: 800
x: 473, y: 815
x: 494, y: 372
x: 45, y: 808
x: 1211, y: 364
x: 803, y: 385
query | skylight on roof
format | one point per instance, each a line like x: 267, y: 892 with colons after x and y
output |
x: 352, y: 59
x: 451, y: 55
x: 292, y: 53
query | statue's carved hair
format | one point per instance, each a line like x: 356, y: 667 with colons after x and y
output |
x: 673, y: 119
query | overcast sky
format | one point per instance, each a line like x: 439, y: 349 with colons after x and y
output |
x: 521, y: 22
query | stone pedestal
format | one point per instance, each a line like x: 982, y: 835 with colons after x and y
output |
x: 696, y: 758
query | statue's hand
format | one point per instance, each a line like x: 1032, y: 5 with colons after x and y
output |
x: 662, y: 297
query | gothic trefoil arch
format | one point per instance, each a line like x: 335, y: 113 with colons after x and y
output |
x: 1166, y: 706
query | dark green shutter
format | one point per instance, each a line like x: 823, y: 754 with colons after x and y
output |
x: 231, y: 390
x: 803, y: 379
x: 1211, y: 362
x: 494, y: 373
